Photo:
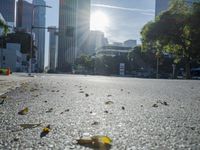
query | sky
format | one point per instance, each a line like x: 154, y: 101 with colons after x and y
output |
x: 126, y: 18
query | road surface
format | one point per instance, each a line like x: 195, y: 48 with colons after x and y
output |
x: 134, y: 113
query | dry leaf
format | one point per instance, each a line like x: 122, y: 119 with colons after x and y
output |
x: 23, y: 111
x: 109, y: 102
x: 98, y: 142
x: 45, y: 131
x: 29, y: 126
x: 4, y: 96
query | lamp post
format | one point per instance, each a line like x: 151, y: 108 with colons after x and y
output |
x: 31, y: 44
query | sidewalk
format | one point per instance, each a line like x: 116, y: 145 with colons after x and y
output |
x: 8, y: 83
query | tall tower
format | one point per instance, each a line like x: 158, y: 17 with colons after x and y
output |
x: 53, y: 48
x: 40, y: 21
x: 74, y: 25
x: 24, y: 15
x: 8, y: 11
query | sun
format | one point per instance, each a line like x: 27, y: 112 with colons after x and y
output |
x: 99, y: 21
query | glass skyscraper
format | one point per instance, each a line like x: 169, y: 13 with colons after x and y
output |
x: 40, y: 21
x: 24, y: 15
x: 8, y: 11
x: 74, y: 25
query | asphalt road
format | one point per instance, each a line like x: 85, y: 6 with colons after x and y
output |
x: 134, y: 113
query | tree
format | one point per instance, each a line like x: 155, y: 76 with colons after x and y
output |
x: 176, y: 31
x: 4, y: 26
x: 86, y: 62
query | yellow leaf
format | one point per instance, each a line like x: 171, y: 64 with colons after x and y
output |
x: 100, y: 142
x: 105, y: 139
x: 23, y: 111
x: 46, y: 130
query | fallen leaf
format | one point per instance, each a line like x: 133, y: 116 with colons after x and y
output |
x: 2, y: 102
x: 96, y: 142
x: 16, y: 139
x: 95, y: 123
x: 155, y: 105
x: 33, y: 89
x: 106, y: 111
x: 29, y: 126
x: 67, y: 110
x: 4, y: 96
x: 163, y: 103
x: 81, y: 92
x: 23, y: 111
x: 109, y: 102
x: 50, y: 110
x: 109, y: 95
x: 45, y: 131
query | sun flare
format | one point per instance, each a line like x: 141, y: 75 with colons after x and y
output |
x: 99, y: 21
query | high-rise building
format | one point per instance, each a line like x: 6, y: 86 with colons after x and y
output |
x: 8, y: 11
x: 74, y: 25
x: 95, y: 40
x: 53, y: 48
x: 24, y: 15
x: 40, y: 21
x: 163, y: 5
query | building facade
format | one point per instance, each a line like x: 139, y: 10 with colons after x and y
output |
x: 40, y: 21
x: 130, y: 43
x: 11, y: 57
x: 112, y: 51
x: 74, y: 25
x: 53, y: 48
x: 8, y: 11
x: 24, y: 15
x: 96, y: 40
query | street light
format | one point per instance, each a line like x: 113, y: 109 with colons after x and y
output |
x: 32, y: 26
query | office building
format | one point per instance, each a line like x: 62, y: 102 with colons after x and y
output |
x: 40, y: 21
x: 96, y: 40
x: 112, y: 50
x: 74, y: 25
x: 130, y: 43
x: 8, y: 11
x: 24, y: 15
x: 11, y: 57
x: 53, y: 48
